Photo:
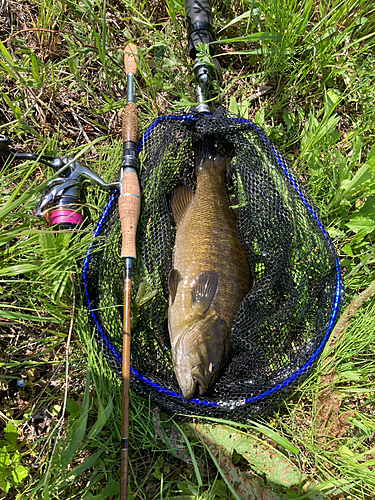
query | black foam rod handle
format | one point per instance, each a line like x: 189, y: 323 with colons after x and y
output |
x: 199, y: 24
x: 198, y: 12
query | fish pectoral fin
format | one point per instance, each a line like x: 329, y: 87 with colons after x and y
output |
x: 203, y: 289
x: 174, y: 278
x: 182, y: 198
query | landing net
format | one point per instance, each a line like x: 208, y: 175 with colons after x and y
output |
x: 284, y: 321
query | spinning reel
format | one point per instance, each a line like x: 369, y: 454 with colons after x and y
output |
x: 61, y: 201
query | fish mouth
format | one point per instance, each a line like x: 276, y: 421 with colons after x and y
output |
x: 197, y: 374
x: 196, y: 379
x: 190, y: 391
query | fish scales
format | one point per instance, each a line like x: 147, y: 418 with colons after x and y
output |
x: 207, y: 239
x: 209, y: 280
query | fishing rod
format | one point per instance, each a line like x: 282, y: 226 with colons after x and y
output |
x: 129, y: 208
x: 61, y: 205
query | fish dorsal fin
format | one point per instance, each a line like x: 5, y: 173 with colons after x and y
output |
x: 182, y: 198
x: 174, y: 278
x: 203, y: 289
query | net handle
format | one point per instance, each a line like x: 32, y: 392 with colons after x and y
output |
x: 199, y: 25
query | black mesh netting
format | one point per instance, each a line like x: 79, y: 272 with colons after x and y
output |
x: 284, y: 321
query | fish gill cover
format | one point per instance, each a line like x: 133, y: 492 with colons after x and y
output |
x: 285, y: 319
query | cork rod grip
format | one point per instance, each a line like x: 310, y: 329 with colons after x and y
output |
x: 130, y: 123
x: 130, y: 57
x: 129, y: 206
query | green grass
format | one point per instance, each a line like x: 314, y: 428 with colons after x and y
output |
x: 302, y: 70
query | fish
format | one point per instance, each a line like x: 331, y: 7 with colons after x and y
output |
x: 210, y: 275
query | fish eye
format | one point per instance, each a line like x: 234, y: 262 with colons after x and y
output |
x: 213, y: 367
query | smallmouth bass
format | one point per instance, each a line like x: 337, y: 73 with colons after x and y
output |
x: 210, y: 274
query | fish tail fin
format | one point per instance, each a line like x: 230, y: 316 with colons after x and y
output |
x: 213, y: 151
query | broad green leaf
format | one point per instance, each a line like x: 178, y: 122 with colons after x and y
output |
x: 148, y: 296
x: 71, y: 406
x: 289, y: 119
x: 326, y: 132
x: 267, y: 431
x: 361, y: 223
x: 35, y: 68
x: 371, y: 154
x: 368, y: 208
x: 326, y: 35
x: 72, y: 65
x: 6, y: 54
x: 112, y: 488
x: 365, y: 426
x: 331, y: 100
x: 55, y: 410
x: 244, y: 109
x: 335, y: 233
x: 7, y: 69
x: 10, y: 432
x: 4, y: 458
x: 187, y: 489
x: 344, y: 451
x: 348, y: 250
x: 46, y: 490
x: 4, y: 485
x: 263, y: 458
x: 304, y: 19
x: 27, y: 128
x: 90, y: 496
x: 19, y: 473
x: 368, y: 463
x: 361, y: 176
x: 350, y: 375
x: 360, y: 21
x: 103, y: 416
x: 300, y: 113
x: 259, y: 117
x: 233, y: 106
x: 356, y: 152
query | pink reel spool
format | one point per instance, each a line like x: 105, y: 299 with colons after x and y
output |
x: 64, y: 216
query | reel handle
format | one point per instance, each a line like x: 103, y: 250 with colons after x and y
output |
x: 199, y: 25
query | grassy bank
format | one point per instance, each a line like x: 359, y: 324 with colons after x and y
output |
x: 303, y: 71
